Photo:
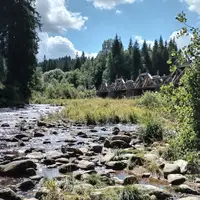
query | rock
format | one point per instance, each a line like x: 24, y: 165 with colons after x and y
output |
x: 70, y: 167
x: 118, y: 144
x: 136, y: 160
x: 62, y: 160
x: 96, y: 148
x: 124, y: 138
x: 42, y: 193
x: 171, y: 169
x: 26, y: 185
x: 186, y: 189
x: 115, y: 131
x: 176, y: 179
x: 36, y: 178
x: 53, y: 155
x: 116, y: 165
x: 150, y: 157
x: 20, y: 136
x: 107, y: 143
x: 93, y: 131
x: 183, y: 165
x: 108, y: 157
x: 190, y: 198
x: 35, y: 155
x: 160, y: 194
x: 49, y: 161
x: 5, y: 125
x: 197, y: 180
x: 129, y: 180
x: 8, y: 194
x: 17, y: 168
x: 81, y: 134
x: 135, y: 141
x: 30, y: 172
x: 47, y: 141
x: 22, y: 144
x: 73, y: 151
x: 38, y: 134
x: 86, y: 165
x: 146, y: 175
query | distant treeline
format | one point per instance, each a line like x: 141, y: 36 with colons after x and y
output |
x: 114, y: 60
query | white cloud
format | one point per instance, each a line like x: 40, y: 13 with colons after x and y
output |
x: 181, y: 41
x: 56, y: 18
x: 58, y: 46
x: 109, y: 4
x: 118, y: 12
x: 141, y: 40
x: 194, y: 5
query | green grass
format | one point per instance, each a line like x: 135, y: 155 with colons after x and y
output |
x: 113, y: 111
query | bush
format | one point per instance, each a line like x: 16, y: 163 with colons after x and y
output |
x: 152, y: 131
x: 151, y: 100
x: 132, y: 193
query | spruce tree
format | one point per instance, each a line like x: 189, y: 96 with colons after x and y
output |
x: 19, y: 43
x: 137, y: 62
x: 155, y: 57
x: 146, y: 58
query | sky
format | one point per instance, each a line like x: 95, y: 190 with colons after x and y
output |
x: 73, y: 26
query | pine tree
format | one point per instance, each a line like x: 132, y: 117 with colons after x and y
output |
x: 83, y: 58
x: 77, y: 64
x: 2, y: 69
x: 19, y: 42
x: 45, y: 64
x: 155, y: 57
x: 130, y: 46
x: 146, y: 58
x: 137, y: 62
x: 66, y: 67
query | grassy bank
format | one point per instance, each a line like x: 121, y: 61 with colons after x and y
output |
x: 150, y: 107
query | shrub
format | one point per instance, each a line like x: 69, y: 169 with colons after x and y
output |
x: 152, y: 131
x: 132, y: 193
x: 151, y: 100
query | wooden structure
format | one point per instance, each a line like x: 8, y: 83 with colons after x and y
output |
x: 144, y: 82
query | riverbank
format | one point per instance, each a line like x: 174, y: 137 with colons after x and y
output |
x: 61, y: 159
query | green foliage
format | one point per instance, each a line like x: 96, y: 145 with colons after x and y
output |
x: 132, y: 193
x: 151, y: 100
x: 151, y: 131
x: 184, y: 101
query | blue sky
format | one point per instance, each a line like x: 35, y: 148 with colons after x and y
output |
x: 82, y: 25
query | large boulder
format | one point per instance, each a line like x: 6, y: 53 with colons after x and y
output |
x: 186, y: 189
x: 118, y: 144
x: 130, y: 180
x: 70, y: 167
x: 96, y: 148
x: 116, y: 165
x: 17, y: 168
x: 86, y: 165
x: 8, y: 194
x: 26, y: 185
x: 176, y: 179
x: 72, y: 151
x: 124, y: 138
x: 183, y: 165
x: 171, y: 169
x: 189, y: 198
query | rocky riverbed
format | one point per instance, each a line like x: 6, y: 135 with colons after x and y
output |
x: 32, y: 150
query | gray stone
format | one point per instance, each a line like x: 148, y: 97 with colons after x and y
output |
x: 124, y: 138
x: 17, y: 168
x: 171, y: 169
x: 8, y: 194
x: 116, y: 165
x: 129, y: 180
x: 190, y: 198
x: 68, y: 168
x: 26, y: 185
x: 97, y: 148
x: 42, y: 193
x: 176, y: 179
x: 186, y: 189
x: 86, y: 165
x: 119, y: 144
x: 150, y: 157
x: 183, y: 165
x: 62, y: 160
x: 35, y: 155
